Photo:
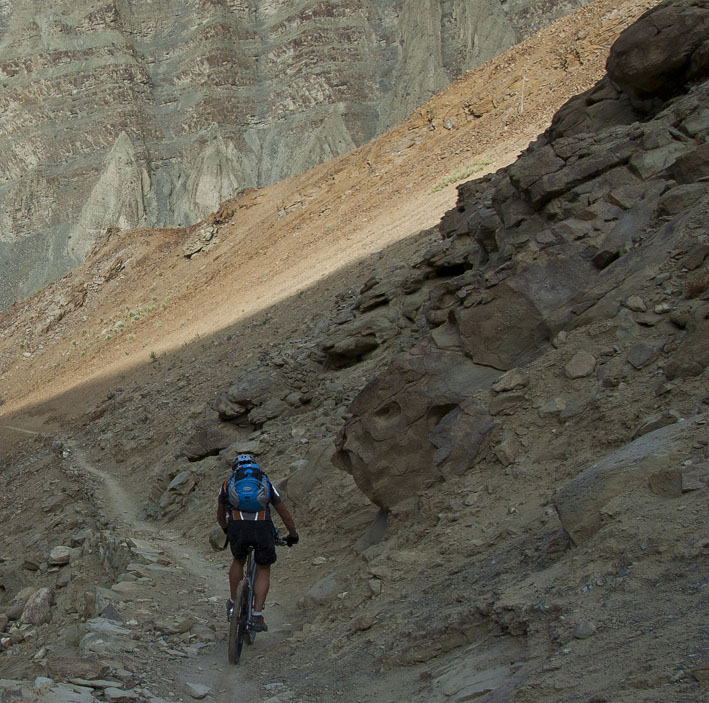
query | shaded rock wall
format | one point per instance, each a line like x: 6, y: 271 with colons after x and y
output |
x: 129, y: 113
x: 604, y: 205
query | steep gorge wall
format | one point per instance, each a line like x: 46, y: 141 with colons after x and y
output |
x: 126, y: 113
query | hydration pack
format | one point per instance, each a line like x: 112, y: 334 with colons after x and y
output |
x: 248, y: 489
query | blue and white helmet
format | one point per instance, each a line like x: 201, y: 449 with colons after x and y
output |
x: 243, y: 460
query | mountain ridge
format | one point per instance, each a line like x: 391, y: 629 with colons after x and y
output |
x: 263, y: 90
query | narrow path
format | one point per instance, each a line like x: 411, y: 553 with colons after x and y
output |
x: 20, y: 429
x: 203, y: 580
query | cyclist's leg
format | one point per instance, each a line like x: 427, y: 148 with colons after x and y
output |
x: 264, y: 556
x: 236, y: 573
x: 262, y: 583
x: 238, y: 550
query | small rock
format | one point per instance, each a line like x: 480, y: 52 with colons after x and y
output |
x: 17, y: 636
x: 655, y: 422
x: 693, y: 478
x: 507, y: 450
x: 80, y: 537
x: 667, y: 483
x: 574, y: 407
x: 647, y: 319
x: 584, y: 630
x: 363, y: 622
x: 110, y: 612
x: 68, y: 693
x: 501, y: 404
x: 15, y: 610
x: 37, y: 610
x: 553, y: 407
x: 636, y: 304
x: 217, y: 538
x: 185, y: 625
x: 510, y: 381
x: 321, y: 593
x: 642, y: 354
x: 95, y: 683
x: 196, y: 690
x: 63, y: 578
x: 60, y: 556
x: 77, y: 667
x: 701, y: 675
x: 202, y: 633
x: 127, y: 589
x: 560, y: 339
x: 581, y: 365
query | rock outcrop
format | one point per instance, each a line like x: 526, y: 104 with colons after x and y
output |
x: 552, y: 245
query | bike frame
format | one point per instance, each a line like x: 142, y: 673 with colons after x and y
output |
x: 250, y: 575
x: 240, y: 627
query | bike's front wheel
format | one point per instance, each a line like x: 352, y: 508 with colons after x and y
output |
x: 239, y: 621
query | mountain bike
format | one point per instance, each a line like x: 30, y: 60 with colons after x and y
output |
x: 240, y: 626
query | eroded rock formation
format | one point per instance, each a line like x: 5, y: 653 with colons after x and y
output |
x: 551, y: 245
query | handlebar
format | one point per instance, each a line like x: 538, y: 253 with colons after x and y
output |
x: 281, y: 541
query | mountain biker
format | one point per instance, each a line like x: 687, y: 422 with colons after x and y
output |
x: 244, y: 529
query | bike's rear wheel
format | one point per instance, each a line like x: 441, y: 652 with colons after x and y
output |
x: 239, y: 621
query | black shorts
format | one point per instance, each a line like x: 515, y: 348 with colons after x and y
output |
x: 258, y: 534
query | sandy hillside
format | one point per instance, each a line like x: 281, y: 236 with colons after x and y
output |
x: 278, y: 241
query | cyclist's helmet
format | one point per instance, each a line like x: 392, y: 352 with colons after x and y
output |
x: 242, y: 460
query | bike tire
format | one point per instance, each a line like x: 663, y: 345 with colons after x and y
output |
x: 237, y: 626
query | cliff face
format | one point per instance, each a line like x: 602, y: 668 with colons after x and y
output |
x: 125, y: 113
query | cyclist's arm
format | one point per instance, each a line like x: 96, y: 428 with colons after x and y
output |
x: 286, y: 517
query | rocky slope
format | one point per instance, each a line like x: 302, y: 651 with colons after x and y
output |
x: 123, y: 114
x: 517, y: 396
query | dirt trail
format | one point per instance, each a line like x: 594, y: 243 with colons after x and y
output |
x: 196, y: 583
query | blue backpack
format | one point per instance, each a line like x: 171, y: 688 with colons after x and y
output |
x: 248, y: 489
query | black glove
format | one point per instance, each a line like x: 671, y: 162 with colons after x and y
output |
x: 226, y: 537
x: 291, y: 540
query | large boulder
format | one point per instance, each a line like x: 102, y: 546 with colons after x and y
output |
x: 251, y: 399
x: 598, y: 108
x: 512, y: 322
x: 654, y: 57
x: 350, y: 343
x: 208, y: 440
x: 580, y: 503
x: 692, y: 357
x: 414, y: 425
x: 503, y: 330
x: 252, y: 388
